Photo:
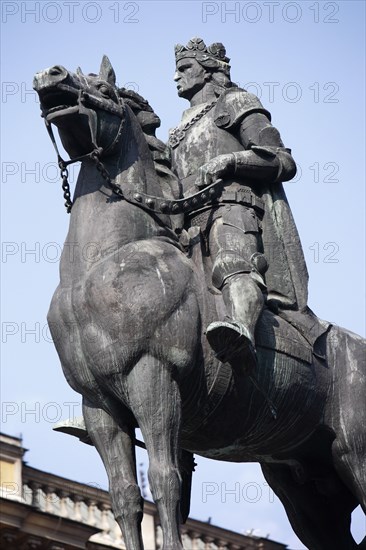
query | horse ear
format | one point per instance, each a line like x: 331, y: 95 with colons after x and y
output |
x: 107, y: 72
x: 79, y: 72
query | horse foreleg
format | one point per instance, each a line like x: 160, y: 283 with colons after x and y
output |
x: 155, y: 401
x: 114, y: 443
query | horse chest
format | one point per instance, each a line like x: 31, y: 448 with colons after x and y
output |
x: 84, y: 319
x: 119, y: 309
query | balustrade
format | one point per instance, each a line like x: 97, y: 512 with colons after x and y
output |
x: 90, y: 505
x: 84, y: 504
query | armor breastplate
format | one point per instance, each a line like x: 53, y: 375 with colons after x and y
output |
x: 203, y: 141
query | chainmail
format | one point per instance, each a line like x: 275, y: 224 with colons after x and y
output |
x: 178, y: 133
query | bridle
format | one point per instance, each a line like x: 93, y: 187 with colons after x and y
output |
x: 150, y: 203
x: 96, y: 152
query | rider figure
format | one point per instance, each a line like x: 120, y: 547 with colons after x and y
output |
x: 226, y: 133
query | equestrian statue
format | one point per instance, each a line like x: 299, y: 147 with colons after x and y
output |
x: 190, y: 321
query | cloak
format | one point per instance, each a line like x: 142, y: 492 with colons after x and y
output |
x: 287, y: 275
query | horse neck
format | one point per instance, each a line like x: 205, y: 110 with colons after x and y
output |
x: 130, y: 166
x: 98, y: 216
x: 135, y: 167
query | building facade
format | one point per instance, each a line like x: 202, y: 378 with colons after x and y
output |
x: 43, y: 511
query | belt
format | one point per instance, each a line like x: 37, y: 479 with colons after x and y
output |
x: 245, y: 196
x: 242, y: 194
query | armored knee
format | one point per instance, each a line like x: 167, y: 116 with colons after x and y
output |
x: 228, y: 263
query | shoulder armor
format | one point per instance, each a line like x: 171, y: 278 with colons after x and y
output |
x: 234, y: 105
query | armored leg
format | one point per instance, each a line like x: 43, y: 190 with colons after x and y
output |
x: 234, y: 245
x: 243, y: 300
x: 233, y: 338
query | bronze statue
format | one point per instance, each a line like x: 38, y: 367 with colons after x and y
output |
x: 138, y: 354
x: 226, y: 133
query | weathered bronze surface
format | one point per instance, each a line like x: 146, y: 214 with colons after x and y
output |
x: 130, y: 327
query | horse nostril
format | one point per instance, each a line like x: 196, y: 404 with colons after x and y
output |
x: 56, y: 70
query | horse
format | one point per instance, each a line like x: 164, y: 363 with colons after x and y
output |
x: 128, y: 324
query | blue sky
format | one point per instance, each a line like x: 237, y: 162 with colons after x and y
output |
x: 306, y: 62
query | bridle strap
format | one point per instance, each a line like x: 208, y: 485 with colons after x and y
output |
x: 94, y: 155
x: 149, y: 203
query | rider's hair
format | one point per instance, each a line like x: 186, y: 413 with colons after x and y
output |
x: 220, y: 73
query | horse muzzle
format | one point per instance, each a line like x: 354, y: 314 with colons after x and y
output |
x: 58, y: 94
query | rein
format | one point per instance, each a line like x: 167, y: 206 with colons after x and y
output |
x: 94, y: 155
x: 149, y: 203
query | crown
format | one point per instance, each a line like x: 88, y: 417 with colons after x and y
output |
x: 197, y: 48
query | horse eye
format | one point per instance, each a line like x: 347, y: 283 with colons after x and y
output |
x: 104, y: 90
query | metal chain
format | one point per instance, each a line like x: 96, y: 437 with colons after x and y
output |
x: 178, y: 133
x: 100, y: 167
x: 105, y: 174
x: 146, y: 202
x: 66, y: 188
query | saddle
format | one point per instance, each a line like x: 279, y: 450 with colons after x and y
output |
x: 279, y: 332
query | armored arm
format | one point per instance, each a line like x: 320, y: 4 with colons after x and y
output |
x: 263, y: 157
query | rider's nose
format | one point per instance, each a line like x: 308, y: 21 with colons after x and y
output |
x: 176, y: 77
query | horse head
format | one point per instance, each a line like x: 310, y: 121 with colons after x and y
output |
x: 96, y: 120
x: 87, y: 109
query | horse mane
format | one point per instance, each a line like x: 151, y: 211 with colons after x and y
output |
x: 138, y: 105
x: 160, y: 153
x: 135, y: 100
